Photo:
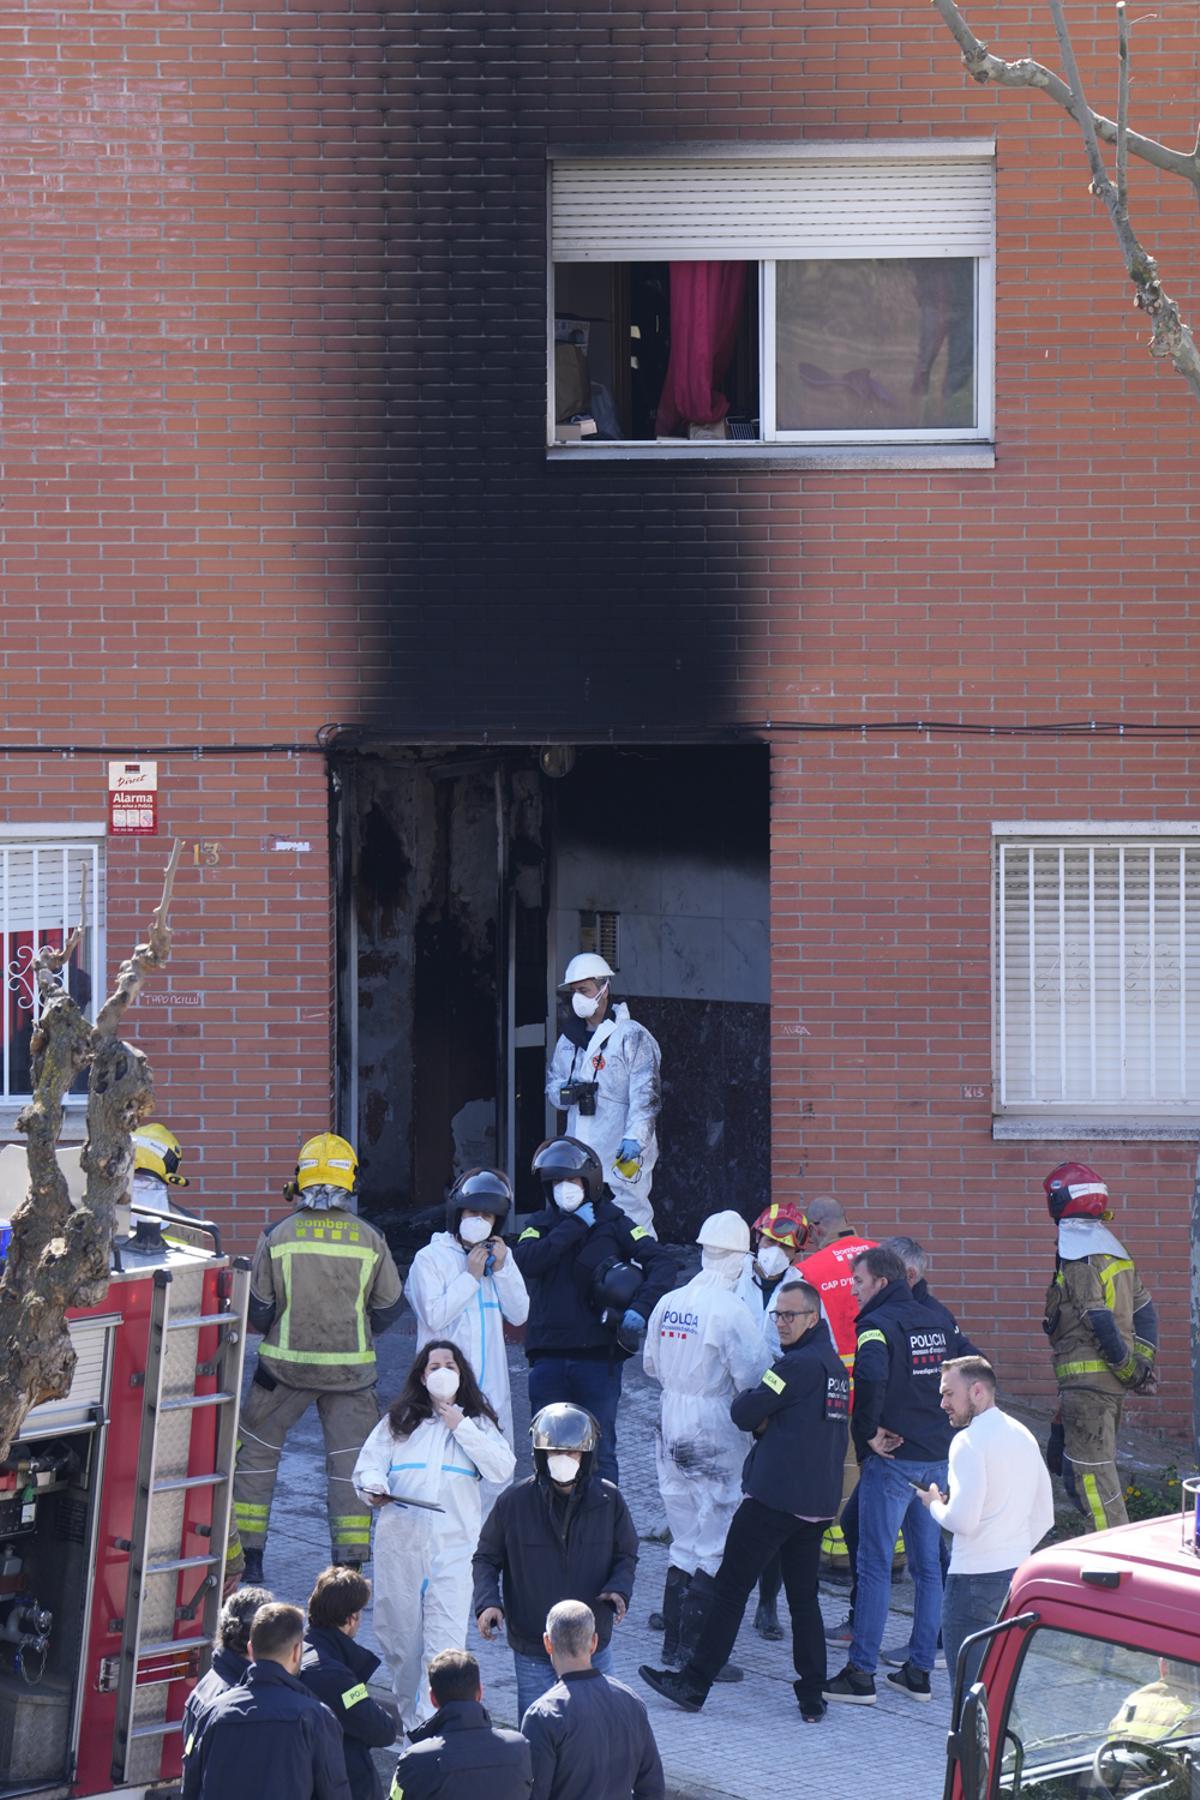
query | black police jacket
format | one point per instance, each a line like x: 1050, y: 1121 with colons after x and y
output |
x: 225, y: 1671
x: 458, y: 1748
x: 803, y: 1403
x: 560, y: 1255
x: 337, y: 1671
x: 267, y: 1735
x: 538, y: 1547
x: 897, y: 1374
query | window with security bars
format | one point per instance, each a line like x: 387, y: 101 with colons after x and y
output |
x: 1097, y: 964
x: 41, y: 884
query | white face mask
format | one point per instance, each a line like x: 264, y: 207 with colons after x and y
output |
x: 569, y: 1195
x: 773, y: 1259
x: 562, y: 1468
x: 442, y: 1383
x: 473, y: 1231
x: 584, y: 1005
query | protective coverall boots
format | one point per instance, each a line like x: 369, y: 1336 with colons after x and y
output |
x: 696, y: 1602
x: 676, y: 1588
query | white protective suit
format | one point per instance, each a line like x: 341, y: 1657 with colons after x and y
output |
x: 450, y: 1303
x: 704, y: 1345
x: 423, y: 1559
x: 625, y: 1059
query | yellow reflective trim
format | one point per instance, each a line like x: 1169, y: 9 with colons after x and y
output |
x: 775, y: 1382
x: 190, y: 1745
x: 395, y: 1792
x: 871, y: 1337
x: 639, y: 1231
x: 1108, y: 1279
x: 1095, y: 1506
x: 1062, y: 1370
x: 353, y: 1695
x: 319, y: 1358
x: 1146, y: 1351
x: 528, y: 1232
x: 352, y: 1537
x: 362, y: 1518
x: 249, y: 1509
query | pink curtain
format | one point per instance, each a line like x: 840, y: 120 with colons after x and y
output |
x: 706, y: 310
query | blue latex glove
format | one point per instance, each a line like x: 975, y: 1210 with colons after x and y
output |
x: 630, y: 1150
x: 586, y: 1212
x: 633, y: 1322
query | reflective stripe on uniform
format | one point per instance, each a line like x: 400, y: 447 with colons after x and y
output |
x: 871, y: 1337
x: 1146, y: 1351
x: 1063, y: 1370
x: 1108, y: 1280
x: 282, y: 1351
x: 350, y: 1519
x: 1091, y: 1491
x: 247, y: 1513
x: 639, y: 1231
x: 395, y: 1792
x: 353, y: 1695
x: 528, y: 1232
x: 773, y: 1381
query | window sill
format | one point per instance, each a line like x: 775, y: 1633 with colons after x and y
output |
x: 1062, y: 1129
x: 851, y: 457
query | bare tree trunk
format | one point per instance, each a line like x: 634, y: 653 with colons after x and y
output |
x: 59, y: 1257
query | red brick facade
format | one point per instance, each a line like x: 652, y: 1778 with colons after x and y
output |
x: 273, y: 354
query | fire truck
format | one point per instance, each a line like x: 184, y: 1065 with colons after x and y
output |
x: 114, y: 1515
x: 1089, y: 1687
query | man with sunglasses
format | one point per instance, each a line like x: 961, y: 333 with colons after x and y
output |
x: 799, y: 1413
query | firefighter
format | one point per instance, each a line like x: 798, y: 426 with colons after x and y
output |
x: 1103, y: 1334
x: 604, y: 1074
x: 157, y: 1154
x: 322, y: 1287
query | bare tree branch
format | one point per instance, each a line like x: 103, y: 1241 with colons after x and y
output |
x: 1170, y: 339
x: 985, y: 68
x: 1122, y: 107
x: 59, y: 1258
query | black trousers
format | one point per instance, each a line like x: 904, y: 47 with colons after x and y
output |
x: 756, y: 1533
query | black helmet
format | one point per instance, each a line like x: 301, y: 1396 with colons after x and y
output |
x: 566, y: 1159
x: 479, y: 1190
x: 562, y: 1426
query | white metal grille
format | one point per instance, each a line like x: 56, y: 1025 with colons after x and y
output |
x: 654, y: 209
x: 40, y: 886
x: 1097, y: 950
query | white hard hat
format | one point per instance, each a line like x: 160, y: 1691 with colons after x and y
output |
x: 587, y: 966
x: 724, y: 1231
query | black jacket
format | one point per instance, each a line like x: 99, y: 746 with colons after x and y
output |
x: 591, y: 1740
x: 897, y: 1372
x: 559, y: 1255
x: 921, y: 1293
x: 460, y: 1755
x: 267, y: 1736
x: 225, y: 1671
x: 538, y: 1547
x: 804, y: 1402
x: 337, y: 1671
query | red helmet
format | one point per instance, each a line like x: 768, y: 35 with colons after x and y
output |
x: 784, y: 1222
x: 1073, y: 1191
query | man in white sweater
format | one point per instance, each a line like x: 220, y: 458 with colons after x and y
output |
x: 998, y: 1508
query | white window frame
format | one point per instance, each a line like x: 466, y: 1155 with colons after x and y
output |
x: 1074, y: 1114
x: 772, y: 436
x: 43, y: 839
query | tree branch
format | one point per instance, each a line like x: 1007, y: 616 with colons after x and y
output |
x: 985, y: 68
x: 146, y: 957
x: 1122, y: 107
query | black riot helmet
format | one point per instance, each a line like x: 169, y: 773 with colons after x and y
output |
x: 479, y: 1190
x: 564, y: 1426
x: 566, y: 1159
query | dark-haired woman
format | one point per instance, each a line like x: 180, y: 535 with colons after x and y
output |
x: 437, y: 1442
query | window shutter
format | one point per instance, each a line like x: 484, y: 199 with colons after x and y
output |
x: 1097, y: 946
x: 654, y: 209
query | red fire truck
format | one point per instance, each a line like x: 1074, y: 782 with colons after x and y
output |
x: 1090, y: 1683
x: 114, y: 1515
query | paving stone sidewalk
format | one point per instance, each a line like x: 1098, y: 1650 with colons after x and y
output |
x: 750, y: 1737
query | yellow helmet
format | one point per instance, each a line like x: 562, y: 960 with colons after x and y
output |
x: 326, y: 1160
x: 157, y: 1151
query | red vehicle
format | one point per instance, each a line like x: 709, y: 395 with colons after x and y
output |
x: 1090, y: 1682
x: 114, y: 1515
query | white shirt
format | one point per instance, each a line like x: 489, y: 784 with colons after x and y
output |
x: 1000, y: 1503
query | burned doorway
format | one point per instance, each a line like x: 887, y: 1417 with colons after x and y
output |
x: 469, y: 877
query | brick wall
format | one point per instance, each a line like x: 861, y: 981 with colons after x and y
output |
x: 273, y: 353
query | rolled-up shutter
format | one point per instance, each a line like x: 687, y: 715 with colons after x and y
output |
x: 658, y: 209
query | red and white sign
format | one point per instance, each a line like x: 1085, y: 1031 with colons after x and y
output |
x: 132, y: 799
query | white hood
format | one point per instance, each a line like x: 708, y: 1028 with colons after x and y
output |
x: 1078, y: 1238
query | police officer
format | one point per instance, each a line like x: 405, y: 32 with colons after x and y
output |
x: 322, y: 1286
x: 799, y: 1412
x: 593, y: 1281
x: 604, y: 1074
x: 1103, y: 1332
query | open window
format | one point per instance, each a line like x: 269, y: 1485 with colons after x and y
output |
x: 820, y: 294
